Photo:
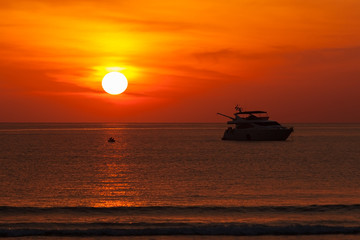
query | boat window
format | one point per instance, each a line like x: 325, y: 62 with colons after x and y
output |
x: 252, y: 117
x: 243, y: 125
x: 267, y: 123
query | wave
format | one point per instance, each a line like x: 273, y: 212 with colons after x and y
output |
x: 177, y: 229
x: 171, y: 220
x: 193, y: 209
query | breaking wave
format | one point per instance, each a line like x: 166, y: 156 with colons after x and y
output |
x: 250, y: 209
x: 176, y: 229
x: 77, y: 221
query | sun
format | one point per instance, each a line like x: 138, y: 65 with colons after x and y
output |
x: 114, y: 83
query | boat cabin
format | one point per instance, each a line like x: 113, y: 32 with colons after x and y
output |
x: 253, y: 115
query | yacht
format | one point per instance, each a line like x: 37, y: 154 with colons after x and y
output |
x: 254, y: 126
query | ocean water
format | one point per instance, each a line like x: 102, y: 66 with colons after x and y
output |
x: 177, y: 181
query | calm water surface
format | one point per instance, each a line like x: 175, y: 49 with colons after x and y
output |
x: 178, y: 181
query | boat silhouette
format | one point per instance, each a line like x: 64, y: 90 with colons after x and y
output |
x: 254, y: 126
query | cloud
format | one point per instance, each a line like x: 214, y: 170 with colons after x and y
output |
x: 328, y: 55
x: 147, y: 25
x: 32, y: 79
x: 228, y: 55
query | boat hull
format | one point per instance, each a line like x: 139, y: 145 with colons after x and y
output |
x: 274, y: 134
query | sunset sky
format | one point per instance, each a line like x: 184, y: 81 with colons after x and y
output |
x: 184, y: 60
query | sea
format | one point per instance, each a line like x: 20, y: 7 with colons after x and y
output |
x: 177, y: 181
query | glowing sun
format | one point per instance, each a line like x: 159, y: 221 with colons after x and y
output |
x: 114, y: 83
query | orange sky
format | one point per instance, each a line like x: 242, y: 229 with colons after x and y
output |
x: 184, y: 60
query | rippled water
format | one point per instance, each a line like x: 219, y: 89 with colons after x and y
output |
x: 177, y: 179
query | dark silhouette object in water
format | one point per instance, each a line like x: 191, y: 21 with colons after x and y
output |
x: 111, y: 140
x: 254, y: 126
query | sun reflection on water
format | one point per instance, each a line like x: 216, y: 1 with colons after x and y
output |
x: 114, y: 186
